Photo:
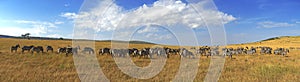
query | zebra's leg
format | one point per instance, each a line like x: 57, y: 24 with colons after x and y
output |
x: 193, y: 56
x: 167, y: 55
x: 149, y: 55
x: 112, y: 55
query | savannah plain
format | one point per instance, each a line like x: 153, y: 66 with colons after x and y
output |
x: 29, y: 67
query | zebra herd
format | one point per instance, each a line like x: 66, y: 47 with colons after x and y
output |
x: 253, y: 50
x: 158, y: 51
x: 209, y: 51
x: 148, y: 52
x: 31, y: 48
x: 134, y: 52
x: 144, y: 52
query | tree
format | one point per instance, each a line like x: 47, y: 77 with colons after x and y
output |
x: 23, y: 36
x: 26, y: 35
x: 61, y: 38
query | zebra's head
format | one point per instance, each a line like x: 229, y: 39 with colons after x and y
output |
x: 18, y: 46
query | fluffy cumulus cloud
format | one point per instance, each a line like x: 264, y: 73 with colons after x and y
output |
x: 271, y: 24
x: 39, y: 23
x: 17, y: 31
x: 35, y: 28
x: 148, y: 29
x: 154, y: 36
x: 161, y: 12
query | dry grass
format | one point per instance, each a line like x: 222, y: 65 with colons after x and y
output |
x: 55, y: 67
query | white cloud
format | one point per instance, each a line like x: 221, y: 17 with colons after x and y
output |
x: 69, y: 15
x: 164, y: 37
x: 67, y: 5
x: 54, y: 35
x: 162, y: 12
x: 26, y: 22
x: 271, y: 24
x: 121, y: 35
x: 153, y: 36
x: 298, y: 22
x: 39, y: 23
x: 17, y: 31
x: 35, y: 28
x: 58, y: 22
x: 148, y: 29
x: 149, y: 35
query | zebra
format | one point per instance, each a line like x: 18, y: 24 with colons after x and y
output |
x: 124, y: 52
x: 228, y: 52
x: 49, y: 48
x: 89, y: 50
x: 266, y: 50
x: 104, y: 50
x: 281, y: 51
x: 162, y: 52
x: 145, y: 52
x: 118, y: 52
x: 240, y: 50
x: 37, y: 49
x: 251, y: 51
x: 14, y: 48
x: 71, y: 50
x: 133, y: 52
x: 62, y: 50
x: 215, y: 51
x: 27, y: 48
x: 212, y: 51
x: 159, y: 52
x: 287, y: 50
x: 186, y: 53
x: 168, y: 50
x: 202, y: 51
x: 113, y: 52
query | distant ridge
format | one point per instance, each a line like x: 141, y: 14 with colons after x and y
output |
x: 133, y: 42
x: 276, y: 38
x: 33, y: 37
x: 49, y: 38
x: 6, y: 36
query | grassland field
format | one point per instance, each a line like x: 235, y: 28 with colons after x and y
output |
x: 27, y: 67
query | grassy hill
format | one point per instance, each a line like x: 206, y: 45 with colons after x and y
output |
x: 284, y: 41
x: 58, y: 67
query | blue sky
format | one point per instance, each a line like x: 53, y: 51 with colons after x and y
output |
x: 253, y: 20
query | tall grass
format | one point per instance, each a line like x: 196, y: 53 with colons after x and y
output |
x: 58, y: 67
